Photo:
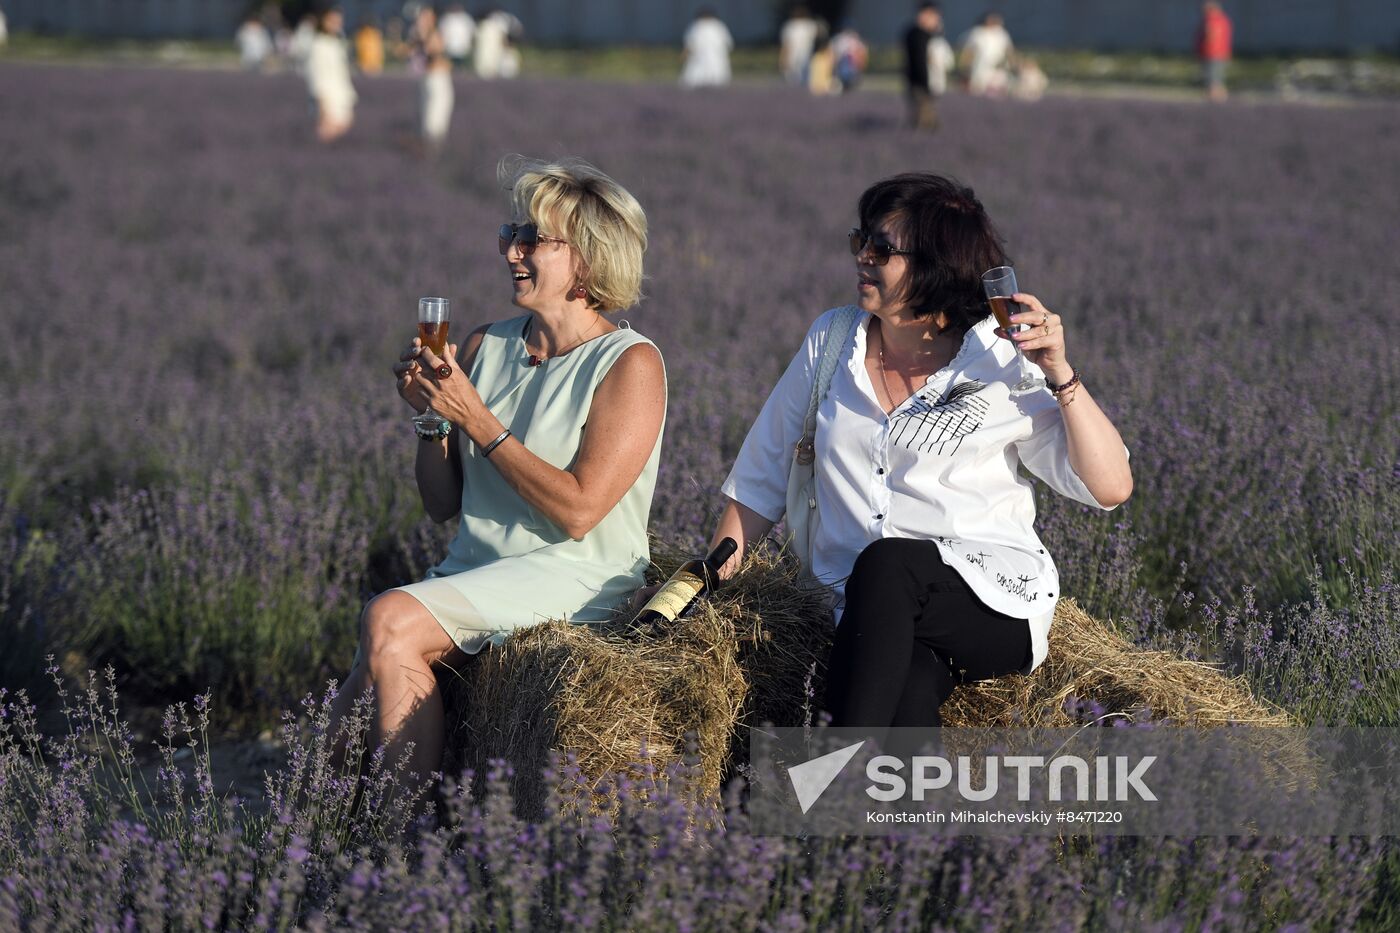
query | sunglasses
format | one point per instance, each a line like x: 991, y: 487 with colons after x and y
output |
x: 526, y: 236
x: 880, y: 249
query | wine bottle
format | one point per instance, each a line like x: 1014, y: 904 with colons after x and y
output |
x: 692, y: 580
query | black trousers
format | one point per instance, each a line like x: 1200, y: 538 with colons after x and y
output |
x: 912, y: 630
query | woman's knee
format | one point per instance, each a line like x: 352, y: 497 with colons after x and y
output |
x: 395, y: 624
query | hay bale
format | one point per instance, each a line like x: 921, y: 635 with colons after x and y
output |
x: 756, y: 654
x: 601, y: 693
x: 1090, y: 661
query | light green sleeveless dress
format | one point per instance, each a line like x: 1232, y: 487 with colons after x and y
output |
x: 509, y: 566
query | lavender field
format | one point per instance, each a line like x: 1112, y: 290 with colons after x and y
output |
x: 205, y: 471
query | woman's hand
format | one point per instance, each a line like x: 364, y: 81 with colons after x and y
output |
x: 1043, y: 342
x: 453, y: 396
x: 404, y: 371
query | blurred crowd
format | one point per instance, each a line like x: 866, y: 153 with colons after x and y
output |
x: 430, y: 41
x: 811, y: 55
x: 986, y: 62
x: 427, y: 41
x: 487, y: 42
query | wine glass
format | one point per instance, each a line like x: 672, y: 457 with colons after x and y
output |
x: 433, y: 321
x: 999, y: 285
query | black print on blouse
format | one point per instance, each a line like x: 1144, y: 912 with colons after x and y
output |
x: 923, y: 426
x: 1018, y: 586
x: 979, y: 560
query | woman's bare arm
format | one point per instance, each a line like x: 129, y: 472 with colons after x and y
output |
x: 745, y: 526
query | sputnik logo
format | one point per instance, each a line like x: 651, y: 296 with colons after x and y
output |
x: 811, y: 779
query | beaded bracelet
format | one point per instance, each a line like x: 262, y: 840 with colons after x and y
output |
x: 1055, y: 390
x: 433, y: 432
x: 486, y: 451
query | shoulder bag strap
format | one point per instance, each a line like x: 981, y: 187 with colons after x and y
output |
x: 843, y: 324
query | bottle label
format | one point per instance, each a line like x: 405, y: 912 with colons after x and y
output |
x: 673, y: 598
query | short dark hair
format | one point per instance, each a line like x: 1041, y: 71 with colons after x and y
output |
x: 952, y: 239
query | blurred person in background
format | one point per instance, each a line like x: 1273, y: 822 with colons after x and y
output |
x: 1028, y: 81
x: 1214, y: 39
x: 495, y: 55
x: 510, y: 56
x: 281, y: 33
x: 705, y: 48
x: 457, y: 28
x: 437, y: 95
x: 796, y: 43
x: 301, y: 40
x: 328, y: 77
x: 550, y: 469
x: 922, y: 521
x: 986, y: 57
x: 927, y: 59
x: 254, y: 43
x: 941, y: 62
x: 424, y: 28
x: 395, y: 44
x: 821, y: 68
x: 369, y: 47
x: 849, y: 58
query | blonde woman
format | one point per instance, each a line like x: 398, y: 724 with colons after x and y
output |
x: 551, y: 467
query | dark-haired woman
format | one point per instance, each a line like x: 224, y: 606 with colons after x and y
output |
x: 923, y: 524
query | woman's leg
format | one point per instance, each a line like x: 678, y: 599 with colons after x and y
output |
x: 916, y: 631
x: 400, y: 640
x: 974, y: 642
x: 927, y: 687
x: 870, y: 658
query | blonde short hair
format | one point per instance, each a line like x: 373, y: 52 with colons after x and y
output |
x: 602, y: 222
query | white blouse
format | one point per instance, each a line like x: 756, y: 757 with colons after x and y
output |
x: 941, y: 467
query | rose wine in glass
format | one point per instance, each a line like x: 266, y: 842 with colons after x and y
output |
x: 999, y: 285
x: 433, y: 321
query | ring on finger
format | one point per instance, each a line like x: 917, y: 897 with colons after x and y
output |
x: 444, y: 371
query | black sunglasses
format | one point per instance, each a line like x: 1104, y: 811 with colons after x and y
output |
x: 526, y: 236
x: 880, y: 249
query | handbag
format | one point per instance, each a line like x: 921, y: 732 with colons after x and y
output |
x: 802, y: 480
